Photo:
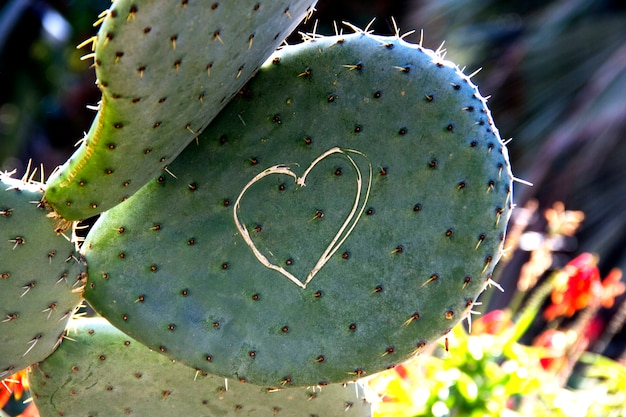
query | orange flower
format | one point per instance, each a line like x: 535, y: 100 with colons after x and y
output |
x: 15, y: 385
x: 612, y: 287
x: 581, y: 284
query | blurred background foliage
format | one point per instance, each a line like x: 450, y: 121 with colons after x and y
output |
x: 556, y: 71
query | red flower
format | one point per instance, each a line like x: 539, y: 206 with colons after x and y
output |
x: 555, y: 343
x: 581, y: 284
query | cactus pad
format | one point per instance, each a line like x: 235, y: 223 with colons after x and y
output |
x: 344, y: 210
x: 108, y: 374
x: 165, y: 69
x: 40, y: 277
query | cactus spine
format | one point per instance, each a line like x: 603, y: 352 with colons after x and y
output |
x: 41, y: 277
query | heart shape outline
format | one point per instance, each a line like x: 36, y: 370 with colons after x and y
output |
x: 342, y: 234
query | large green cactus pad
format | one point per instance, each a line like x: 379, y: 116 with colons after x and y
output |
x: 40, y: 277
x: 165, y: 69
x: 346, y: 209
x: 105, y: 373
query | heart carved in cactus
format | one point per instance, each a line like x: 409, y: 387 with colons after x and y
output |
x: 362, y: 185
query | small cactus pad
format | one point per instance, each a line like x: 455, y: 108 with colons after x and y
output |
x: 40, y: 277
x: 165, y: 69
x: 105, y: 373
x: 344, y: 210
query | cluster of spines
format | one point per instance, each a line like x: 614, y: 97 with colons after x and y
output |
x: 31, y: 296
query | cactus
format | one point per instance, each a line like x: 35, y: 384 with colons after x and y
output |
x: 344, y: 210
x: 107, y: 373
x: 165, y: 69
x: 40, y: 277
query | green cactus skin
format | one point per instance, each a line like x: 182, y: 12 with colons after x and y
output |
x: 105, y: 373
x: 398, y: 258
x: 165, y: 69
x: 40, y: 277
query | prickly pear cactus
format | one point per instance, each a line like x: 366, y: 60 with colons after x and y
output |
x: 40, y: 277
x: 165, y: 69
x: 344, y: 210
x: 108, y: 374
